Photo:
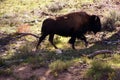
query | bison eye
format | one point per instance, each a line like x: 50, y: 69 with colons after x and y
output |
x: 96, y: 18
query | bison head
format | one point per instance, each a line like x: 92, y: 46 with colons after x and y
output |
x: 95, y: 24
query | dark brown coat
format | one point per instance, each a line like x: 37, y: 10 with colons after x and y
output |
x: 73, y: 25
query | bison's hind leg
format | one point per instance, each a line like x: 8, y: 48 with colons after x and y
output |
x: 84, y: 39
x: 72, y: 42
x: 41, y: 39
x: 51, y: 36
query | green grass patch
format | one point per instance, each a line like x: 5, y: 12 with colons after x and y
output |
x: 37, y: 61
x: 116, y: 58
x: 59, y: 66
x: 6, y: 72
x: 100, y: 70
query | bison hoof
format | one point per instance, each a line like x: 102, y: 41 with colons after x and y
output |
x: 58, y: 51
x: 86, y: 45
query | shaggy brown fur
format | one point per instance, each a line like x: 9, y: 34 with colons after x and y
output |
x: 73, y: 25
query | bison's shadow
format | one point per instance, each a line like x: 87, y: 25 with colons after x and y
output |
x: 112, y: 43
x: 69, y: 54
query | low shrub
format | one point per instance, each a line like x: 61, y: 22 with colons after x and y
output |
x: 59, y: 66
x: 111, y: 21
x: 5, y: 72
x: 100, y: 71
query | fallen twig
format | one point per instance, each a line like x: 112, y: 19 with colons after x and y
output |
x: 99, y: 52
x: 25, y: 34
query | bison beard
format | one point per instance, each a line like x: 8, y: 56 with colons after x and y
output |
x: 73, y: 25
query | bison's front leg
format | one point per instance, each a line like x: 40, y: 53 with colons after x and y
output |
x: 51, y: 36
x: 84, y: 39
x: 41, y: 39
x: 72, y: 42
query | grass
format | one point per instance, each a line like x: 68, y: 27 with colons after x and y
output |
x: 6, y: 72
x: 8, y: 30
x: 116, y: 58
x: 104, y: 67
x: 100, y: 70
x: 57, y: 63
x: 59, y: 66
x: 37, y: 61
x: 112, y: 21
x: 24, y: 5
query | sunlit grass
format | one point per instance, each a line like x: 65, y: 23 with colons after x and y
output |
x: 59, y: 66
x: 115, y: 61
x: 9, y: 6
x: 100, y: 70
x: 7, y: 30
x: 21, y: 5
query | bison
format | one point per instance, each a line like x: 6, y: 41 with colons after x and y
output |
x: 73, y: 25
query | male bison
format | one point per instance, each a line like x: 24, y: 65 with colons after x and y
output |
x: 73, y: 25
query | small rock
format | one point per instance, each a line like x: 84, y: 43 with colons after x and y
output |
x: 109, y: 42
x: 58, y: 51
